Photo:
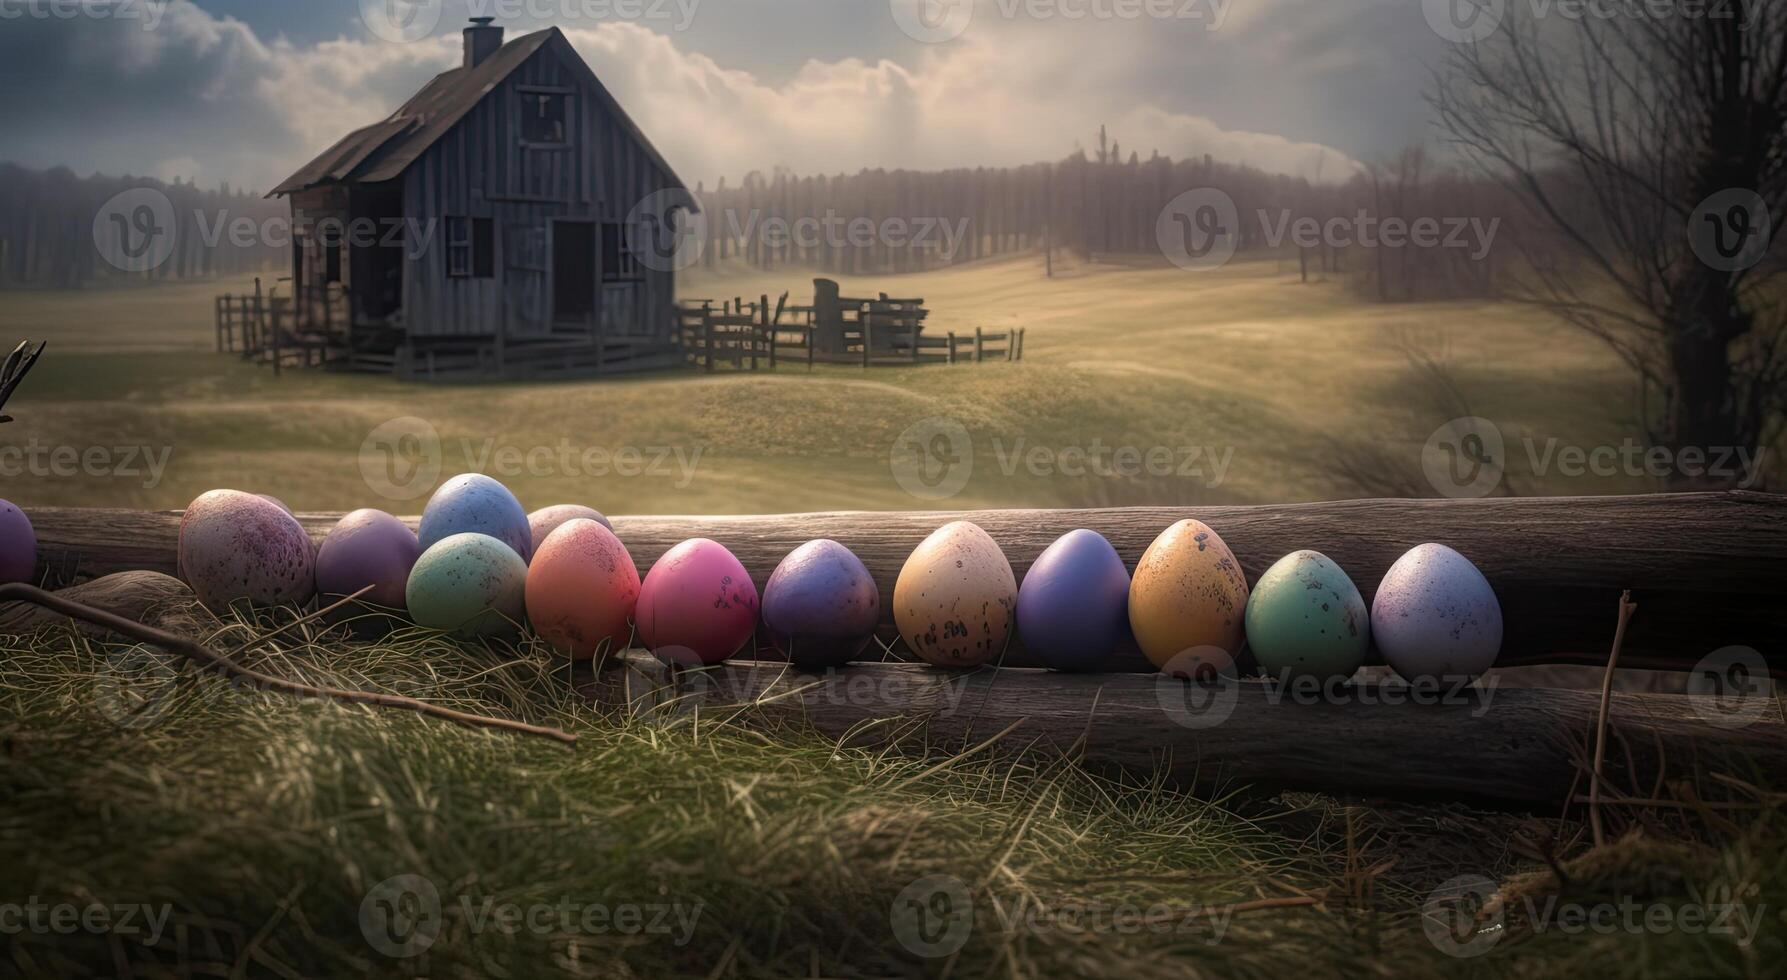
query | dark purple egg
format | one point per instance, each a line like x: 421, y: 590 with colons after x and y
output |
x: 367, y: 547
x: 821, y: 606
x: 18, y: 546
x: 1073, y: 608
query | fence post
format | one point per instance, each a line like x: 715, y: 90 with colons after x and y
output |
x: 979, y: 348
x: 1011, y: 344
x: 769, y: 332
x: 915, y: 328
x: 952, y: 347
x: 707, y: 340
x: 868, y: 335
x: 1021, y: 343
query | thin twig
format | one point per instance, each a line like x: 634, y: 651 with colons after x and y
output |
x: 1626, y: 608
x: 205, y: 657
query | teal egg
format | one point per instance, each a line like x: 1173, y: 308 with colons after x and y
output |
x: 1305, y: 618
x: 468, y: 584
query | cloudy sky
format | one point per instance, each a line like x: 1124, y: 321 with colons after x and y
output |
x: 248, y: 90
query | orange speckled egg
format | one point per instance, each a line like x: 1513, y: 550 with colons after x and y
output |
x: 1187, y: 600
x: 955, y: 597
x: 581, y: 590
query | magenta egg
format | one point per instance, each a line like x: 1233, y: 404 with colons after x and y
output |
x: 18, y: 546
x: 236, y: 545
x: 367, y: 548
x: 697, y: 605
x: 547, y: 519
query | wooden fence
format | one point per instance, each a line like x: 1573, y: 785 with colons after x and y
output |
x: 265, y: 327
x: 882, y: 332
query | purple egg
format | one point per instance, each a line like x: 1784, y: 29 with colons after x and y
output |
x: 18, y: 546
x: 472, y: 503
x: 820, y: 605
x: 1073, y: 608
x: 367, y: 547
x: 547, y: 519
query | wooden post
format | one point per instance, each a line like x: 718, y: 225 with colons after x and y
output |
x: 217, y: 317
x: 1011, y: 345
x: 952, y: 347
x: 866, y: 328
x: 1021, y: 343
x: 273, y: 328
x: 979, y: 346
x: 769, y: 332
x: 914, y: 326
x: 707, y: 340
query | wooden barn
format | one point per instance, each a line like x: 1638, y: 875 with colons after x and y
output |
x: 493, y: 226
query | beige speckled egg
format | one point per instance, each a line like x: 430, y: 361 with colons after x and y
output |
x: 236, y: 545
x: 1188, y: 600
x: 955, y: 597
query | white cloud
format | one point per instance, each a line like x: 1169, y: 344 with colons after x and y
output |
x: 205, y: 92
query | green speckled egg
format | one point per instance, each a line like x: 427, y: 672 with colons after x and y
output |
x: 1306, y: 618
x: 469, y: 584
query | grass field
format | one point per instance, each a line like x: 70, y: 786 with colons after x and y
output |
x: 1246, y: 384
x: 249, y: 834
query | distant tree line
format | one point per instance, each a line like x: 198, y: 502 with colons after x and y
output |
x: 47, y: 229
x: 1105, y: 206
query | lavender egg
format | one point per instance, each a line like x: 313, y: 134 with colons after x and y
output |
x: 472, y: 503
x: 18, y: 546
x: 367, y: 547
x: 547, y: 520
x: 1436, y: 617
x: 1073, y: 608
x: 821, y: 606
x: 468, y: 584
x: 236, y: 545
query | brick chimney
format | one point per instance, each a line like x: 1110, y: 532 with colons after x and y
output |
x: 481, y: 41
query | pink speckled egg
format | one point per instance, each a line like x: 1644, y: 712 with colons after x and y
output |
x: 581, y: 590
x: 697, y: 605
x: 236, y: 545
x: 18, y: 546
x: 548, y: 519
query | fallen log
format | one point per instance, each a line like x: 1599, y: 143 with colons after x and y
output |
x: 1706, y: 568
x: 1483, y: 743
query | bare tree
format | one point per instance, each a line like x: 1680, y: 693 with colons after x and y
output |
x: 1615, y: 130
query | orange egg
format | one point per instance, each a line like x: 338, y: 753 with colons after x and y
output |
x: 1187, y: 600
x: 955, y: 597
x: 581, y: 589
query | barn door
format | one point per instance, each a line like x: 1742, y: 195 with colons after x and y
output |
x: 524, y: 279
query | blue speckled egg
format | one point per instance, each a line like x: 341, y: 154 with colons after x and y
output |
x: 468, y: 584
x: 1436, y: 617
x: 474, y: 503
x: 821, y: 605
x: 1073, y: 608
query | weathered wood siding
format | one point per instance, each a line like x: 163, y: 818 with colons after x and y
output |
x: 481, y: 169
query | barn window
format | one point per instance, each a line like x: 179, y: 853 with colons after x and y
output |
x: 620, y: 257
x: 543, y: 116
x: 471, y: 248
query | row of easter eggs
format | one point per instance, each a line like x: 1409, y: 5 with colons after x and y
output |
x: 480, y: 563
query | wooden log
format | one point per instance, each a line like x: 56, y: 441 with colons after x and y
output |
x: 1491, y: 744
x: 1705, y: 568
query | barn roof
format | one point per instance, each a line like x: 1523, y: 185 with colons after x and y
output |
x: 384, y: 150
